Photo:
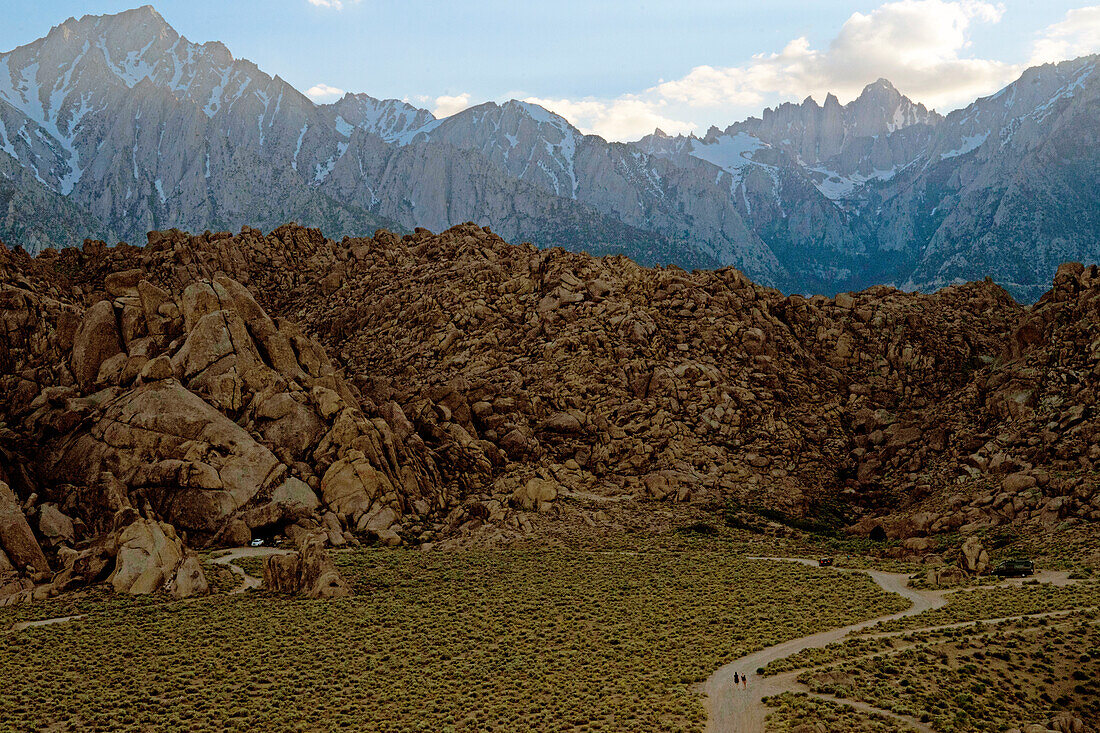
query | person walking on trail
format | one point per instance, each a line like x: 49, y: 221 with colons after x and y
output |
x: 736, y: 680
x: 744, y: 680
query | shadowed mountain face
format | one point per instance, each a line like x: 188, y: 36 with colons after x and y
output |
x: 125, y: 126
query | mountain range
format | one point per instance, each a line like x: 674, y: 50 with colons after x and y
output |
x: 111, y: 126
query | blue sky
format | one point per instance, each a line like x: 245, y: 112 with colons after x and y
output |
x: 621, y: 68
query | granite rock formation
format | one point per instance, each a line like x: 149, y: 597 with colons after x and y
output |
x: 453, y: 387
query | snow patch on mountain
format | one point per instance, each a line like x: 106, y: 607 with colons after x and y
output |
x: 5, y: 141
x: 836, y: 186
x: 321, y: 170
x: 297, y: 147
x: 342, y: 126
x: 731, y: 153
x: 134, y: 67
x: 969, y: 142
x: 21, y: 89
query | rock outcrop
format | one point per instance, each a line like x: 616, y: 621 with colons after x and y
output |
x: 454, y: 387
x: 975, y: 559
x: 150, y: 557
x: 308, y: 572
x: 21, y: 549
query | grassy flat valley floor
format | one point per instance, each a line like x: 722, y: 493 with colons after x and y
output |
x: 984, y: 677
x: 953, y: 670
x: 492, y: 641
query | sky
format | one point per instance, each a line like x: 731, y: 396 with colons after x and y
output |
x: 615, y: 68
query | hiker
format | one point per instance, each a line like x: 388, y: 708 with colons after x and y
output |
x: 736, y: 680
x: 744, y: 680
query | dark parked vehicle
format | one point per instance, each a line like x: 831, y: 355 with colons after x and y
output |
x: 825, y: 562
x: 1014, y: 568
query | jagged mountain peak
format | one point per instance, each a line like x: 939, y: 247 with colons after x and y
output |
x: 537, y: 112
x: 509, y: 119
x: 881, y: 83
x: 141, y: 14
x: 144, y: 129
x: 814, y: 134
x: 880, y: 92
x: 136, y: 24
x: 393, y: 120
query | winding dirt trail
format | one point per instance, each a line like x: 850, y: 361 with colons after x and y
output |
x: 43, y: 622
x: 741, y: 710
x: 248, y: 582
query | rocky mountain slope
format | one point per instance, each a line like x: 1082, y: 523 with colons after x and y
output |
x: 882, y: 190
x: 38, y: 217
x: 1008, y: 186
x: 138, y: 128
x: 144, y: 129
x: 454, y: 387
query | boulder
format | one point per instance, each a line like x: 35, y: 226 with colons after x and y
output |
x: 151, y: 558
x: 351, y: 486
x: 379, y: 520
x: 123, y: 284
x: 564, y: 422
x: 156, y: 369
x: 55, y: 526
x: 844, y: 300
x: 152, y: 300
x: 534, y: 494
x: 282, y: 573
x: 944, y: 576
x: 275, y: 344
x: 308, y: 572
x: 16, y: 538
x: 236, y: 534
x: 974, y: 557
x: 195, y: 465
x: 388, y: 537
x: 217, y: 357
x: 189, y: 579
x: 1014, y: 483
x: 1067, y: 723
x: 295, y: 493
x: 918, y: 544
x: 286, y: 422
x: 96, y: 340
x: 923, y: 521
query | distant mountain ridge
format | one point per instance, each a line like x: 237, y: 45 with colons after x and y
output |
x: 118, y: 125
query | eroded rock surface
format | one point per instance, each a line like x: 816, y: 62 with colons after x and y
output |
x: 453, y: 387
x: 21, y: 549
x: 308, y: 572
x: 151, y: 557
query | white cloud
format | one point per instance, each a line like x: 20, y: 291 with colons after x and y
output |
x: 922, y: 46
x: 626, y: 118
x: 919, y: 45
x: 322, y: 93
x: 1077, y: 35
x: 446, y: 106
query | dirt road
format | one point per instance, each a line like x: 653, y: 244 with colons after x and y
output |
x: 741, y: 710
x: 248, y: 582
